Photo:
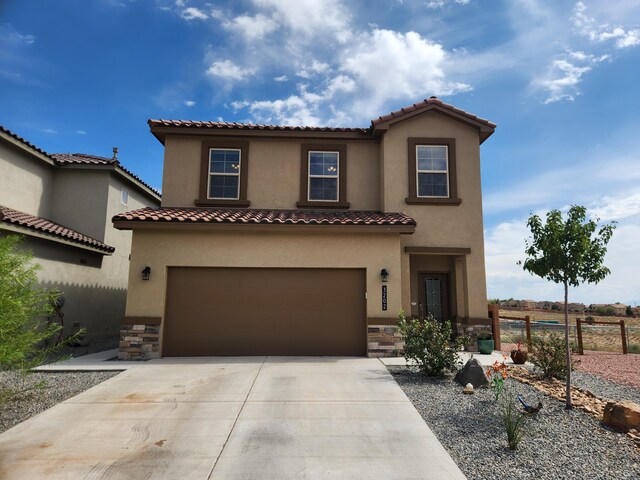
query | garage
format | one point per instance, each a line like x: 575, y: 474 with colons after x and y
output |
x: 264, y: 311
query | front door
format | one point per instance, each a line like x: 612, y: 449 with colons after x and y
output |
x: 434, y: 295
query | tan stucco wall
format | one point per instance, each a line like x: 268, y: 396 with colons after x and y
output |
x: 439, y: 225
x: 274, y: 172
x: 26, y: 182
x: 80, y: 200
x: 162, y: 248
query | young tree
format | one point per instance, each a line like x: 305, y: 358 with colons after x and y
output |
x: 21, y: 303
x: 569, y: 252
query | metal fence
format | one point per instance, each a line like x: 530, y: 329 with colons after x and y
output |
x: 594, y: 337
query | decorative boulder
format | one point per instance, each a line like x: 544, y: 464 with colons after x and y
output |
x: 472, y: 373
x: 623, y: 416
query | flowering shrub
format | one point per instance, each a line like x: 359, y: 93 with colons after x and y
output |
x: 497, y: 374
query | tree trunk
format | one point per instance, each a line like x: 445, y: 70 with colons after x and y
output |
x: 567, y: 346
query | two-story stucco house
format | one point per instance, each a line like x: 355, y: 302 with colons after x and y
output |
x: 308, y: 241
x: 62, y: 204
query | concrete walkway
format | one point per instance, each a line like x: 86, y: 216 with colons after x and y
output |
x: 232, y: 418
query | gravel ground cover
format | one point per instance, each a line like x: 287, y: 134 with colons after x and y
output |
x: 560, y: 445
x: 605, y: 389
x: 58, y: 387
x: 616, y: 367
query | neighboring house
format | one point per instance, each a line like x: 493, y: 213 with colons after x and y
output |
x: 619, y: 308
x: 306, y: 240
x: 63, y: 204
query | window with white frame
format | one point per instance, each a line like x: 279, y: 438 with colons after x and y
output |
x: 323, y: 176
x: 124, y: 197
x: 224, y: 173
x: 432, y: 170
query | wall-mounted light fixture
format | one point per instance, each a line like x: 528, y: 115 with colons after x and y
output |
x: 384, y: 275
x: 146, y: 273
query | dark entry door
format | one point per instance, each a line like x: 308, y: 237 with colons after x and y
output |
x: 434, y: 293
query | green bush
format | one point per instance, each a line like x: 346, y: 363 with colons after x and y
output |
x: 25, y: 339
x: 428, y: 345
x: 548, y: 354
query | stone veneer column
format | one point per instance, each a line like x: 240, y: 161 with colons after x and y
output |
x: 139, y: 339
x: 384, y: 341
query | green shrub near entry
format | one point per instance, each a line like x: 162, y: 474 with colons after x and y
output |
x: 428, y: 345
x: 548, y: 354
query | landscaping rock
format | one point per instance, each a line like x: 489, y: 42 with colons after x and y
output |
x: 624, y: 416
x: 472, y: 373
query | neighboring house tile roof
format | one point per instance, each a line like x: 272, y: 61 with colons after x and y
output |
x: 424, y: 104
x: 249, y: 126
x: 266, y: 216
x: 26, y: 142
x: 38, y: 224
x: 85, y: 159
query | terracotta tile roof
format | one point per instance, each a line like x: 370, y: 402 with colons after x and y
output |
x: 426, y: 103
x: 241, y: 216
x: 85, y: 159
x: 15, y: 217
x: 249, y: 126
x: 26, y: 142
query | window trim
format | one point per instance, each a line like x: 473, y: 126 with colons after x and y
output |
x: 221, y: 144
x: 413, y: 198
x: 223, y: 174
x: 306, y: 149
x: 418, y: 172
x: 310, y: 176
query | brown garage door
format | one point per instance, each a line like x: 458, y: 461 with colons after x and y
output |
x: 264, y: 311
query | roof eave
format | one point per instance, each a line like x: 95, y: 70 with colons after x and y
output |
x: 406, y: 229
x: 485, y: 129
x: 11, y: 227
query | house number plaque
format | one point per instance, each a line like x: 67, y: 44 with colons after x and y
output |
x: 384, y: 297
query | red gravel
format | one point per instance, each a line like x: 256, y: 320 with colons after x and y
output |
x: 619, y: 368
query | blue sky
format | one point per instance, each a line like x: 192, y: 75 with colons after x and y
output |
x: 559, y: 78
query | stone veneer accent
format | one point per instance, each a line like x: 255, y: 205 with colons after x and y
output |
x: 472, y: 331
x: 139, y: 342
x: 384, y: 341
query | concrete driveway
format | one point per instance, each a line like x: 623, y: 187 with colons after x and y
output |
x: 232, y: 418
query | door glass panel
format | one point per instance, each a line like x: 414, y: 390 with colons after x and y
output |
x: 433, y: 297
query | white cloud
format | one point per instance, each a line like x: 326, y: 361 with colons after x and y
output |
x: 293, y: 110
x: 565, y: 74
x: 189, y: 103
x: 281, y: 78
x: 81, y: 132
x: 11, y: 37
x: 603, y: 32
x: 227, y: 70
x: 193, y: 13
x: 251, y: 27
x: 313, y: 69
x: 617, y: 207
x: 389, y: 65
x: 50, y: 131
x: 311, y: 18
x: 442, y: 3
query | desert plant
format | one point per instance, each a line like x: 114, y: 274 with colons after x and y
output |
x: 548, y: 354
x: 428, y: 345
x: 497, y: 374
x: 25, y: 339
x: 485, y: 336
x: 570, y: 253
x: 515, y: 422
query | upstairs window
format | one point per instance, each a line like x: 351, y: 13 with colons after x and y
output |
x: 432, y: 170
x: 223, y: 177
x: 323, y: 176
x: 224, y: 173
x: 124, y: 197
